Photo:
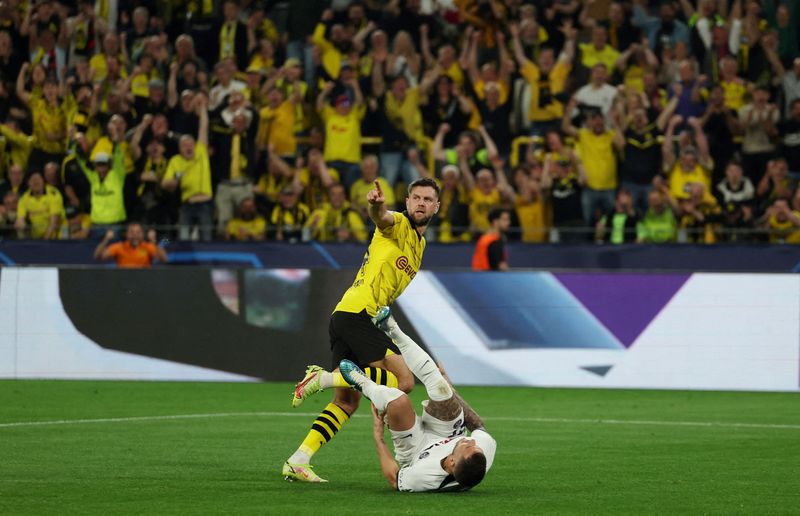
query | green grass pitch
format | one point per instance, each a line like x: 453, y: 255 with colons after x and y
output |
x: 560, y: 451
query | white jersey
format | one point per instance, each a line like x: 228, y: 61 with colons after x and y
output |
x: 425, y: 472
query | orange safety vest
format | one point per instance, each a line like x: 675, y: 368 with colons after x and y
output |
x: 480, y: 260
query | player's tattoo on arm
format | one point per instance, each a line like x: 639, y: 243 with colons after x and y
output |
x: 471, y: 418
x: 446, y: 410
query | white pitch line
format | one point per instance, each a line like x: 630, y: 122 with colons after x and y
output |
x: 633, y: 422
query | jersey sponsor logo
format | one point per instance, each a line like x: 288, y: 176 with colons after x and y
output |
x: 402, y: 264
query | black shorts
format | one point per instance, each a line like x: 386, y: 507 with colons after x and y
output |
x: 354, y: 337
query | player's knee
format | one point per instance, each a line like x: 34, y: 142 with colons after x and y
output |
x: 405, y: 382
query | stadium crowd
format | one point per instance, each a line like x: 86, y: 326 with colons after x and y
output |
x: 608, y: 120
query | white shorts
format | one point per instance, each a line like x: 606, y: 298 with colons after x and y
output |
x: 426, y: 430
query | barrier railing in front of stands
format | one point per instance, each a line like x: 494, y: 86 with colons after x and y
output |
x: 551, y: 235
x: 426, y: 148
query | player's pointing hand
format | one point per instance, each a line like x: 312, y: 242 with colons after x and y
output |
x: 375, y: 196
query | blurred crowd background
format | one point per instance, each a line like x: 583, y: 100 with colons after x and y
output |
x: 594, y: 120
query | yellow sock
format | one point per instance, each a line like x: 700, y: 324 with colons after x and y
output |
x: 324, y: 428
x: 376, y: 374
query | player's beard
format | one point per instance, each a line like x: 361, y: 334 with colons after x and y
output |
x: 423, y: 221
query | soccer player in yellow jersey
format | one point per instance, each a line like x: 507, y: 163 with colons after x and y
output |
x: 390, y: 263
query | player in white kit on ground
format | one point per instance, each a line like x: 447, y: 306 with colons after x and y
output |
x: 432, y: 452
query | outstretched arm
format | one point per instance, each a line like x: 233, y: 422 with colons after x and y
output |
x: 380, y: 215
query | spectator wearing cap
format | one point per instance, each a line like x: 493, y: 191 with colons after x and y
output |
x: 289, y: 216
x: 595, y: 149
x: 107, y: 182
x: 40, y: 210
x: 191, y: 169
x: 231, y: 40
x: 546, y: 80
x: 343, y: 131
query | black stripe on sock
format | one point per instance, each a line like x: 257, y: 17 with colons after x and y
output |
x: 372, y: 374
x: 333, y: 416
x: 322, y: 430
x: 381, y: 374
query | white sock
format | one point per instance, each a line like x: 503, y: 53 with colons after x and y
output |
x: 420, y: 363
x: 325, y: 380
x: 380, y: 395
x: 299, y: 457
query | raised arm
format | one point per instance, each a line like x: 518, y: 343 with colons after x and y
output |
x: 505, y: 189
x: 519, y: 52
x: 667, y: 148
x: 101, y: 251
x: 702, y: 143
x: 491, y: 147
x: 138, y: 133
x: 23, y: 94
x: 472, y: 58
x: 323, y: 96
x: 202, y: 114
x: 425, y: 46
x: 438, y: 143
x: 172, y: 86
x: 566, y: 121
x: 382, y: 217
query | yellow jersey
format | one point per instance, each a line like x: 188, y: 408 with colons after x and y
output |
x: 343, y: 134
x: 479, y: 206
x: 40, y: 209
x: 194, y: 175
x: 547, y: 108
x: 392, y: 260
x: 276, y: 127
x: 679, y: 181
x: 597, y: 153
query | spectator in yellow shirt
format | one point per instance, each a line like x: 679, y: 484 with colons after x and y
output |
x: 247, y: 224
x: 49, y: 116
x: 40, y: 210
x: 336, y: 221
x: 343, y: 130
x: 277, y: 119
x: 595, y: 149
x: 359, y: 189
x: 598, y: 50
x: 191, y: 170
